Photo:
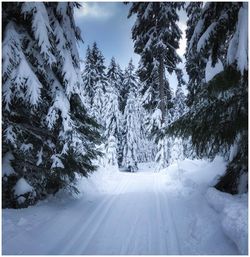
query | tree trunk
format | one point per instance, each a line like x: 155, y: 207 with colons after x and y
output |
x: 162, y: 91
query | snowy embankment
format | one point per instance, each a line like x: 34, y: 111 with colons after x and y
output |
x: 234, y: 216
x: 122, y: 213
x: 232, y: 209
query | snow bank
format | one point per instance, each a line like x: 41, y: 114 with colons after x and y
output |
x: 192, y: 176
x: 200, y: 172
x: 198, y: 225
x: 234, y: 216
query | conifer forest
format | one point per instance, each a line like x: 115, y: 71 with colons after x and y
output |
x: 125, y: 128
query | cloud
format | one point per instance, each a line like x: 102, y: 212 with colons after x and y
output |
x: 95, y: 11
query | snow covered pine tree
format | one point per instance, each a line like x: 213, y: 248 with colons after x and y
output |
x: 112, y: 113
x: 88, y: 78
x: 95, y: 82
x: 48, y: 137
x: 179, y: 145
x: 156, y: 38
x: 195, y: 65
x: 100, y: 84
x: 131, y: 121
x: 218, y: 117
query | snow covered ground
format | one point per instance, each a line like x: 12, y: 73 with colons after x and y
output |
x: 147, y: 212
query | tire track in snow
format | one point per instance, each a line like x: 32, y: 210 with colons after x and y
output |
x: 138, y: 240
x: 61, y: 234
x: 167, y: 219
x: 144, y: 239
x: 125, y: 248
x: 162, y: 241
x: 125, y: 209
x: 150, y: 236
x: 91, y: 224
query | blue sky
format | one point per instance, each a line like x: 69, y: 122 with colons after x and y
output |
x: 108, y: 25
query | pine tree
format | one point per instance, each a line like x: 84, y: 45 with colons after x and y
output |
x: 156, y: 38
x: 217, y: 119
x: 195, y: 64
x: 88, y: 77
x: 95, y: 82
x: 179, y: 109
x: 114, y: 75
x: 147, y: 145
x: 179, y: 103
x: 130, y: 151
x: 42, y: 101
x: 112, y: 114
x: 122, y: 100
x: 129, y: 80
x: 131, y: 121
x: 97, y: 108
x: 25, y: 60
x: 99, y: 67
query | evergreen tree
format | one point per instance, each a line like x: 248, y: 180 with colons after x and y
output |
x: 120, y: 77
x: 97, y: 108
x: 179, y: 104
x: 130, y: 151
x: 88, y: 77
x: 217, y: 119
x: 131, y: 121
x: 99, y: 67
x: 112, y: 114
x: 156, y: 38
x: 179, y: 145
x: 122, y: 100
x: 128, y: 79
x: 114, y: 75
x: 147, y: 145
x: 195, y: 64
x: 47, y: 135
x: 95, y: 82
x: 99, y: 86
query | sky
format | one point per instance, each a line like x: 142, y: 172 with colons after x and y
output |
x: 107, y: 24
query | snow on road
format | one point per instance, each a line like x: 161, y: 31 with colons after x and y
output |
x: 125, y: 213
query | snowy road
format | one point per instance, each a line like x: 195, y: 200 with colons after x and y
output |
x: 143, y: 213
